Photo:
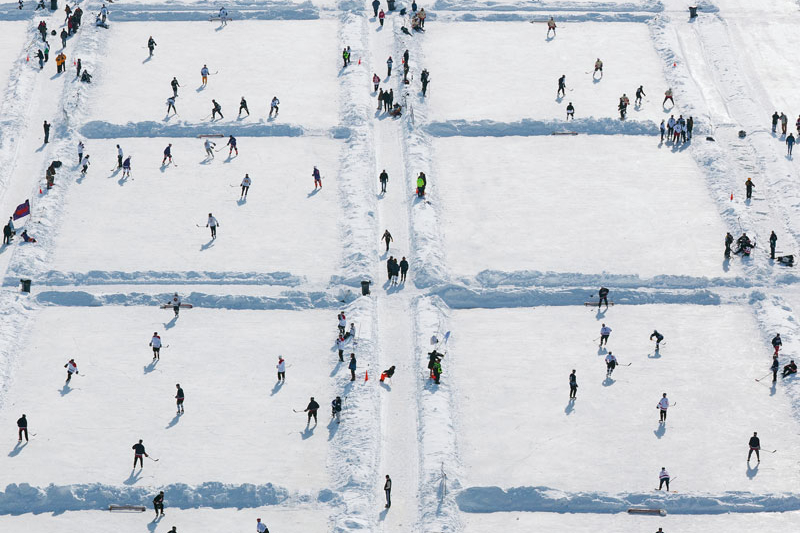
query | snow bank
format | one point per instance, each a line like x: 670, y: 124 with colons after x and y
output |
x: 548, y: 6
x: 291, y: 300
x: 534, y: 278
x: 98, y: 129
x: 267, y: 10
x: 23, y: 498
x: 115, y: 277
x: 528, y: 127
x: 532, y: 499
x: 460, y: 297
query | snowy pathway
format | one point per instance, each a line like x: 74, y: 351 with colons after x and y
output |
x: 399, y: 445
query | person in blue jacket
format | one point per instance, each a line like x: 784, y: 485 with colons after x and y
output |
x: 352, y: 367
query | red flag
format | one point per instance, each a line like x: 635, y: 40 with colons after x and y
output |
x: 22, y: 210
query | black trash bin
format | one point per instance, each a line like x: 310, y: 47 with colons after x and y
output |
x: 26, y: 285
x: 692, y: 11
x: 391, y: 4
x: 53, y: 5
x: 365, y: 288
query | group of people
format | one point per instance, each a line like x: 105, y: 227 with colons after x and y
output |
x: 677, y: 130
x: 791, y: 140
x: 396, y: 269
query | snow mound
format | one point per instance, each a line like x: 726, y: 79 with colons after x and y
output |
x: 528, y: 127
x: 109, y: 277
x: 99, y: 129
x: 201, y: 11
x: 528, y: 278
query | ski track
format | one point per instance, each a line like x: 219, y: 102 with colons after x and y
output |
x: 407, y: 428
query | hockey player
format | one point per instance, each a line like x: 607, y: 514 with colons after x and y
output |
x: 167, y: 154
x: 728, y: 242
x: 663, y: 405
x: 158, y: 503
x: 774, y: 367
x: 213, y: 224
x: 611, y: 364
x: 174, y: 83
x: 388, y: 238
x: 216, y: 110
x: 551, y: 26
x: 375, y: 82
x: 605, y: 331
x: 232, y: 144
x: 281, y: 366
x: 243, y: 107
x: 340, y: 345
x: 658, y: 336
x: 317, y: 178
x: 151, y: 45
x: 155, y: 343
x: 336, y: 409
x: 72, y: 368
x: 639, y: 94
x: 261, y: 527
x: 209, y: 146
x: 179, y: 397
x: 245, y: 186
x: 623, y: 106
x: 176, y: 304
x: 273, y: 106
x: 668, y: 96
x: 311, y: 409
x: 138, y: 452
x: 84, y: 164
x: 204, y: 75
x: 389, y: 63
x: 223, y: 16
x: 384, y: 179
x: 598, y: 66
x: 777, y: 342
x: 171, y: 105
x: 352, y: 367
x: 573, y: 385
x: 562, y: 86
x: 120, y: 156
x: 342, y: 323
x: 755, y: 446
x: 663, y: 478
x: 22, y: 427
x: 603, y: 295
x: 791, y: 368
x: 570, y: 111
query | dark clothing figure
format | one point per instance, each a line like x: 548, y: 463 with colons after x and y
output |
x: 403, y: 270
x: 777, y: 343
x: 138, y: 453
x: 639, y: 94
x: 755, y: 446
x: 151, y: 45
x: 658, y: 336
x: 773, y: 240
x: 158, y: 503
x: 774, y: 367
x: 312, y: 410
x: 562, y: 85
x: 387, y: 489
x: 174, y: 83
x: 46, y: 132
x: 384, y: 179
x: 388, y: 238
x: 791, y: 368
x: 388, y: 373
x: 352, y: 367
x: 603, y: 294
x: 22, y: 427
x: 728, y: 242
x: 425, y: 78
x: 243, y: 107
x: 749, y: 187
x: 376, y: 4
x: 216, y: 110
x: 573, y: 385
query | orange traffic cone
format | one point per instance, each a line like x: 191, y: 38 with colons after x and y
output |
x: 675, y: 64
x: 27, y: 58
x: 731, y: 197
x: 40, y: 190
x: 359, y: 60
x: 366, y: 375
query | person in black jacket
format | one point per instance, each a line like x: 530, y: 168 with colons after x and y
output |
x: 777, y: 342
x: 158, y: 503
x: 773, y: 240
x: 573, y: 385
x: 791, y: 368
x: 658, y: 336
x: 174, y: 83
x: 384, y: 179
x: 22, y: 427
x: 216, y: 110
x: 755, y: 445
x: 774, y: 367
x: 728, y: 242
x: 336, y: 409
x: 138, y: 452
x: 243, y: 107
x: 312, y: 410
x: 47, y: 134
x: 603, y: 294
x: 388, y: 373
x: 403, y: 270
x: 352, y: 367
x: 749, y: 187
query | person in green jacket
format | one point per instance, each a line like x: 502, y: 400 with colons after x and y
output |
x: 421, y: 183
x: 437, y: 371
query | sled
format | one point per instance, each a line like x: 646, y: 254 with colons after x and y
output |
x: 595, y: 303
x: 634, y: 510
x: 564, y: 133
x: 127, y: 508
x: 182, y: 306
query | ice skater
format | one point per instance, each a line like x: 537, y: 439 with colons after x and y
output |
x: 138, y: 453
x: 551, y: 26
x: 167, y: 154
x: 663, y: 405
x: 158, y: 503
x: 336, y: 409
x: 245, y: 186
x: 213, y: 224
x: 777, y: 342
x: 22, y: 428
x: 611, y: 364
x: 281, y: 366
x: 663, y: 478
x: 573, y: 385
x: 72, y: 368
x: 658, y: 337
x: 598, y: 67
x: 232, y: 144
x: 605, y: 331
x: 155, y: 343
x: 204, y: 75
x: 179, y: 397
x: 603, y: 297
x: 273, y: 106
x: 243, y: 107
x: 176, y: 304
x: 209, y: 146
x: 755, y: 446
x: 311, y: 409
x: 216, y: 110
x: 317, y: 178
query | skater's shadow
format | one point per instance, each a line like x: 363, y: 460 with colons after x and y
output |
x: 382, y: 514
x: 56, y: 75
x: 380, y: 115
x: 772, y: 389
x: 381, y: 195
x: 789, y: 157
x: 207, y: 245
x: 570, y: 407
x: 601, y: 351
x: 80, y: 178
x: 220, y: 27
x: 41, y: 147
x: 548, y: 38
x: 207, y: 161
x: 147, y: 60
x: 163, y: 168
x: 152, y: 366
x: 66, y: 389
x: 336, y: 368
x: 229, y: 158
x: 122, y: 181
x: 608, y: 381
x: 312, y: 193
x: 659, y: 432
x: 430, y: 385
x: 385, y: 385
x: 596, y: 80
x: 173, y: 422
x: 601, y: 314
x: 333, y: 427
x: 17, y: 449
x: 134, y: 477
x: 114, y: 172
x: 752, y: 472
x: 200, y: 88
x: 655, y: 355
x: 153, y: 524
x: 241, y: 201
x: 726, y: 265
x: 347, y: 388
x: 559, y: 99
x: 240, y: 117
x: 171, y: 323
x: 277, y: 388
x: 309, y: 431
x: 271, y: 119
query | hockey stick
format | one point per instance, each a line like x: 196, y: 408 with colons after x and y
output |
x: 762, y: 377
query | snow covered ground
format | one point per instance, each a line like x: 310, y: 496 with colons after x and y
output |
x: 529, y: 210
x: 260, y: 234
x: 519, y: 228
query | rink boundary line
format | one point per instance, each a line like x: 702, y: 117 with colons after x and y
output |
x: 547, y: 499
